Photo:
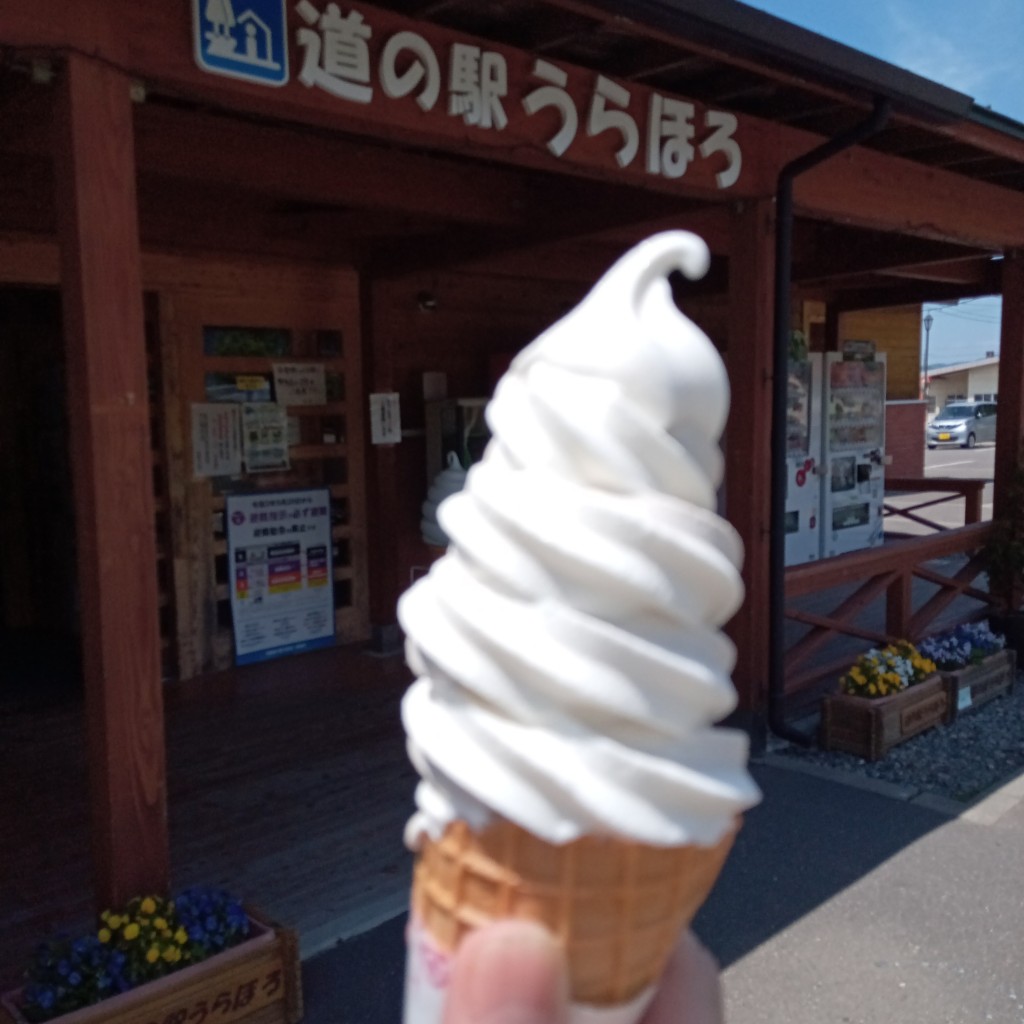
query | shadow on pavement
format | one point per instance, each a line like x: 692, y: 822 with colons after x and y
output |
x: 810, y: 839
x: 807, y: 841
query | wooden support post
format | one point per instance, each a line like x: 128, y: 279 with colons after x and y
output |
x: 111, y: 455
x: 898, y: 608
x: 1010, y: 422
x: 831, y: 328
x: 973, y: 501
x: 748, y: 438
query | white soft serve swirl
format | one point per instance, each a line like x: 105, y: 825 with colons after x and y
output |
x: 568, y: 647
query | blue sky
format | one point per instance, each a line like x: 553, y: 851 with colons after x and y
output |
x: 974, y: 47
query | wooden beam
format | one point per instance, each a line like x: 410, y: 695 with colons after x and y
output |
x: 861, y: 186
x: 292, y: 163
x: 914, y: 293
x: 830, y: 251
x: 748, y: 439
x: 566, y: 221
x: 112, y: 461
x: 969, y: 271
x: 869, y: 189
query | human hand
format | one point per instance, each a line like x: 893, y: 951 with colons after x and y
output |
x: 513, y: 972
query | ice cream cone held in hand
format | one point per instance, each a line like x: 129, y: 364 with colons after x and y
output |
x: 569, y: 653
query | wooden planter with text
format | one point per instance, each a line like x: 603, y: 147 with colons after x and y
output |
x: 870, y: 728
x: 975, y: 685
x: 255, y: 982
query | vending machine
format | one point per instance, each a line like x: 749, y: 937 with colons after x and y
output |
x: 853, y: 488
x: 803, y: 460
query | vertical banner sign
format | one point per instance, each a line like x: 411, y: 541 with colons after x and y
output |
x: 282, y: 598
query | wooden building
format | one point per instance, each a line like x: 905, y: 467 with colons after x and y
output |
x: 397, y: 190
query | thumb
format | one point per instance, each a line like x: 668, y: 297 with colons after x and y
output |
x: 509, y: 972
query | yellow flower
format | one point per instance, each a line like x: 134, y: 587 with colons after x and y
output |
x: 181, y: 936
x: 103, y: 935
x: 857, y: 675
x: 160, y: 924
x: 171, y: 954
x: 131, y: 931
x: 114, y: 920
x: 872, y: 689
x: 148, y: 905
x: 152, y: 955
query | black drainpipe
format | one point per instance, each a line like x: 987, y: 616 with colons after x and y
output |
x: 783, y: 281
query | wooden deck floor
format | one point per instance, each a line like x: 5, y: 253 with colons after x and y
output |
x: 288, y: 784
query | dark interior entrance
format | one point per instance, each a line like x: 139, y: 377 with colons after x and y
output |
x: 39, y: 623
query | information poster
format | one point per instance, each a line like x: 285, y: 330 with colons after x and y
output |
x: 265, y: 437
x: 282, y: 598
x: 300, y: 384
x: 216, y: 440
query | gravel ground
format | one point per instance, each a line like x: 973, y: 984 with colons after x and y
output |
x: 982, y: 748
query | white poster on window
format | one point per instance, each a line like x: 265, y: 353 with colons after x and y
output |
x: 300, y: 384
x: 265, y: 437
x: 282, y: 594
x: 216, y: 440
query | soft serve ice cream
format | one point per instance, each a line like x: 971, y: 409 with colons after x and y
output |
x: 568, y: 647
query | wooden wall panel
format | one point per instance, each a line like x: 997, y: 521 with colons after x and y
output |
x: 193, y: 293
x: 897, y: 332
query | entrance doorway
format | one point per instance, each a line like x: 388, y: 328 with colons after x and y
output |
x: 39, y: 622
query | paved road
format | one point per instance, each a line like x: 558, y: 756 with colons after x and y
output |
x: 960, y: 463
x: 840, y: 904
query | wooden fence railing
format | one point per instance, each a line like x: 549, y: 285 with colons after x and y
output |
x: 950, y: 489
x: 876, y: 596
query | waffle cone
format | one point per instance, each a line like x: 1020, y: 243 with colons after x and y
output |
x: 617, y: 907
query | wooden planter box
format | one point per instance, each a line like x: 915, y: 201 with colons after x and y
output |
x: 870, y: 728
x: 978, y: 684
x: 255, y: 982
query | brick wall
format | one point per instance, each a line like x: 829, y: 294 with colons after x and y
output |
x: 904, y: 438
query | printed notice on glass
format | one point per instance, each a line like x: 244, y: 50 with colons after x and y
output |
x: 216, y: 440
x: 300, y: 384
x: 279, y: 552
x: 265, y: 437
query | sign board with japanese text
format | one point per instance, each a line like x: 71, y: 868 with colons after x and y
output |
x: 265, y: 437
x: 382, y: 70
x: 300, y: 383
x: 279, y: 557
x: 216, y: 439
x: 385, y: 418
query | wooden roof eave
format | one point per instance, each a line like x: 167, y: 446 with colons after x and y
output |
x: 861, y: 187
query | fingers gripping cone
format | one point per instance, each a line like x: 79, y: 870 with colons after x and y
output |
x: 618, y: 908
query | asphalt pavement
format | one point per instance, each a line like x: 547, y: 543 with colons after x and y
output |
x: 842, y: 901
x: 959, y: 463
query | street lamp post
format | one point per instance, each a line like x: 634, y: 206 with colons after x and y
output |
x: 928, y: 321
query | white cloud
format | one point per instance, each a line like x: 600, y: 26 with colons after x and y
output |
x: 973, y: 48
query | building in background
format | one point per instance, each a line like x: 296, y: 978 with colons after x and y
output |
x: 977, y: 381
